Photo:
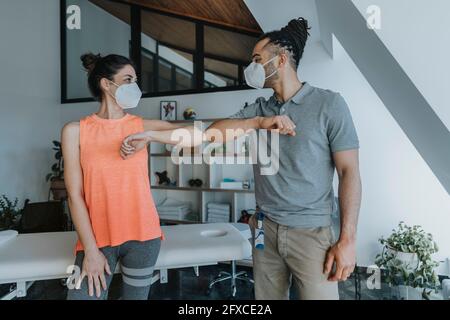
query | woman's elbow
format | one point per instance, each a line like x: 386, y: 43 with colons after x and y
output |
x: 75, y: 198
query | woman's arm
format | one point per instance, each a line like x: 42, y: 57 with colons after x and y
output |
x: 74, y: 183
x: 187, y: 136
x: 94, y: 263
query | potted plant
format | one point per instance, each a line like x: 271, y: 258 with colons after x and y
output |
x: 9, y: 213
x: 56, y: 177
x: 407, y: 259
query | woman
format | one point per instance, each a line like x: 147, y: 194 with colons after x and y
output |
x: 109, y: 198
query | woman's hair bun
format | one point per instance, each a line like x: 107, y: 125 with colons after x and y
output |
x: 90, y: 60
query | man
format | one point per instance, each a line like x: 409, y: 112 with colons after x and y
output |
x: 317, y: 135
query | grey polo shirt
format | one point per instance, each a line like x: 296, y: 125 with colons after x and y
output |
x: 301, y: 193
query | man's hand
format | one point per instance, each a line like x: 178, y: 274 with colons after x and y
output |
x: 133, y: 144
x: 283, y: 124
x: 343, y: 253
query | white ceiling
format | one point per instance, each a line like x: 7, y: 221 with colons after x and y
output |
x: 273, y: 15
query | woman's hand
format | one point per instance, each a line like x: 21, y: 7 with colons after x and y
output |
x: 134, y: 143
x: 94, y: 266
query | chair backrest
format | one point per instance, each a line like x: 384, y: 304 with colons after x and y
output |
x: 43, y: 217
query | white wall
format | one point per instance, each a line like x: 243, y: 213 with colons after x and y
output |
x: 397, y: 183
x: 29, y: 91
x: 207, y: 105
x: 416, y: 32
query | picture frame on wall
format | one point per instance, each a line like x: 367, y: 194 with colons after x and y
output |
x: 168, y: 110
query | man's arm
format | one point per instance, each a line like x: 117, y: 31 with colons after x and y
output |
x: 189, y: 136
x: 185, y: 136
x: 229, y: 129
x: 343, y: 253
x: 160, y: 125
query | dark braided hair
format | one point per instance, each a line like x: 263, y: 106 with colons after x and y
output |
x: 291, y: 38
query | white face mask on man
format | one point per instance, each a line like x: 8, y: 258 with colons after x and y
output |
x: 255, y: 74
x: 128, y: 95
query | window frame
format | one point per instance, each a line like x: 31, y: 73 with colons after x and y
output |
x: 198, y: 54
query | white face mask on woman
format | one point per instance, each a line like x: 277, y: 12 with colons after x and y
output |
x: 255, y: 74
x: 128, y: 95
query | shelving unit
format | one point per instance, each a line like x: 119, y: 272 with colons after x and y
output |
x: 211, y: 175
x: 210, y: 191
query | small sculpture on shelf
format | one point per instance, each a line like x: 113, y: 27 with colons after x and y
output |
x: 195, y: 183
x: 162, y: 178
x: 189, y: 114
x: 245, y: 217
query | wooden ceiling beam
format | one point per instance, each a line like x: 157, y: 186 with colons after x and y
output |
x: 183, y: 15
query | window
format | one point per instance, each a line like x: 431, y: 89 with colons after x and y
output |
x: 173, y: 54
x: 170, y: 75
x: 221, y: 74
x: 183, y: 80
x: 219, y: 42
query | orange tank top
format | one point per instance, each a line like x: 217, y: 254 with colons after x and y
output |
x: 116, y: 191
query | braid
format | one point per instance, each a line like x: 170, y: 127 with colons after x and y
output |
x: 292, y: 38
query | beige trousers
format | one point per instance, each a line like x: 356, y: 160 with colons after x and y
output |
x: 292, y: 253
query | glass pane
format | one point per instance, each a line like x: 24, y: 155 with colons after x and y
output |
x: 208, y: 85
x: 168, y: 30
x: 148, y: 73
x: 229, y: 44
x: 221, y: 74
x: 165, y: 76
x: 105, y: 29
x: 175, y: 70
x: 161, y: 37
x: 184, y: 80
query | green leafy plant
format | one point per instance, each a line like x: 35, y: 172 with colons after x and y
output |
x: 58, y: 167
x: 412, y: 240
x: 9, y: 212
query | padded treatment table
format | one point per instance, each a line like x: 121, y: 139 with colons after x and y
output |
x: 43, y: 256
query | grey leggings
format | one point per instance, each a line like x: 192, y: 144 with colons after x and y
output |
x: 137, y: 261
